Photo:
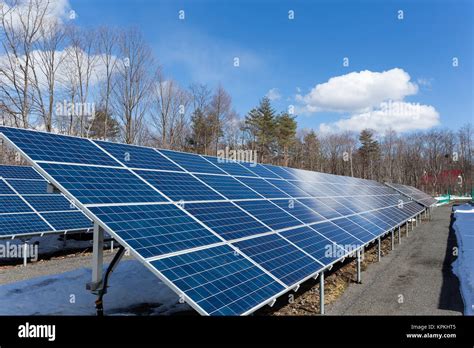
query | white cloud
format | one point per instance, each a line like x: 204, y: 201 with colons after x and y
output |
x: 54, y: 11
x: 357, y: 91
x: 397, y: 115
x: 273, y: 94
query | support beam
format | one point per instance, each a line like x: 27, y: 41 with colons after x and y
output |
x: 393, y: 242
x: 359, y: 276
x: 321, y: 292
x: 25, y: 254
x: 399, y: 235
x: 379, y: 250
x: 97, y: 259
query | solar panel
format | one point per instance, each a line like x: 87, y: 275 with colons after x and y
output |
x: 230, y: 167
x: 298, y: 210
x: 179, y: 186
x: 315, y: 244
x: 24, y: 201
x: 285, y: 261
x: 269, y: 214
x: 227, y: 236
x: 99, y: 185
x: 226, y: 219
x: 154, y: 230
x: 192, y: 163
x: 137, y: 156
x: 264, y: 188
x: 220, y: 281
x: 228, y: 186
x: 414, y: 194
x: 28, y: 187
x: 42, y: 147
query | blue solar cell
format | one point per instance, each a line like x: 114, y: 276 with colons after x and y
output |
x: 369, y: 226
x: 289, y: 188
x: 13, y: 204
x: 219, y: 280
x: 5, y: 190
x: 22, y: 224
x: 230, y: 167
x: 264, y: 188
x: 281, y: 172
x: 154, y: 230
x: 138, y: 156
x: 336, y: 205
x: 70, y: 220
x: 379, y: 220
x: 338, y: 236
x: 93, y: 185
x: 19, y: 172
x: 314, y: 244
x: 298, y: 210
x: 259, y: 170
x: 269, y: 214
x: 179, y: 186
x: 354, y: 229
x: 57, y: 148
x: 191, y: 162
x: 27, y: 187
x: 49, y: 202
x: 226, y: 219
x: 320, y: 208
x: 280, y: 258
x: 228, y: 186
x: 312, y: 189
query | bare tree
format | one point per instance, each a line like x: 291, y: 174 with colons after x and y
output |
x: 169, y: 111
x: 81, y: 64
x: 20, y: 23
x: 107, y: 46
x: 46, y: 63
x: 220, y: 109
x: 133, y: 82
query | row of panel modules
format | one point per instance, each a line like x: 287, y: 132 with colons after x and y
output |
x: 229, y: 237
x: 27, y: 208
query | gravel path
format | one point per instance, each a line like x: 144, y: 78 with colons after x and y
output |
x: 414, y: 279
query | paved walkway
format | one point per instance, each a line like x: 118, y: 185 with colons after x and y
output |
x: 414, y: 279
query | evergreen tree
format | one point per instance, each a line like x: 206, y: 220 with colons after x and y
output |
x: 103, y: 126
x: 261, y: 123
x: 285, y: 135
x: 311, y: 151
x: 369, y: 152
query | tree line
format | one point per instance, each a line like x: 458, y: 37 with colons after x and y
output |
x: 106, y: 83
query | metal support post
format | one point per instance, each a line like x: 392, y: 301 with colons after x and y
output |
x: 25, y: 254
x: 359, y: 276
x: 379, y: 250
x: 399, y: 235
x: 393, y: 242
x: 97, y: 259
x: 321, y: 292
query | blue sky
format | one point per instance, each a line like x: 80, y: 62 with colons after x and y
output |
x: 293, y: 56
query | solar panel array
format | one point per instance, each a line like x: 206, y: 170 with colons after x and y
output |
x: 415, y: 194
x: 227, y: 236
x: 27, y: 209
